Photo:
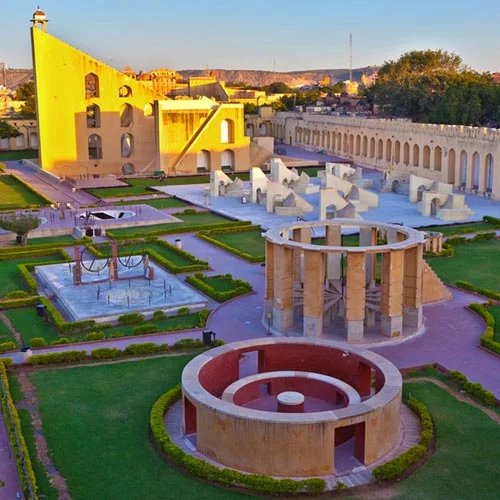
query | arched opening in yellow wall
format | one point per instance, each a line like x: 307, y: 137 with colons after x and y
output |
x: 226, y: 131
x: 128, y: 169
x: 227, y: 160
x: 95, y: 147
x: 127, y: 145
x: 388, y: 150
x: 365, y: 146
x: 380, y: 149
x: 93, y: 116
x: 125, y: 91
x: 358, y: 145
x: 372, y: 147
x: 91, y: 86
x: 126, y: 115
x: 451, y: 166
x: 463, y: 168
x: 476, y: 165
x: 203, y: 161
x: 250, y: 132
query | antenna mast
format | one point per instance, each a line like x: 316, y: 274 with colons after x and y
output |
x: 350, y: 57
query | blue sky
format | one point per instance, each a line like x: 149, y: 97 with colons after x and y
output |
x: 296, y: 34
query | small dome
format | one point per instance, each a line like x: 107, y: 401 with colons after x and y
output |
x: 39, y: 14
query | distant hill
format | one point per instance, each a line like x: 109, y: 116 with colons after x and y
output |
x: 291, y: 78
x: 255, y: 78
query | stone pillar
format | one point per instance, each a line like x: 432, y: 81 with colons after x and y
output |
x: 302, y: 235
x: 333, y: 238
x: 269, y: 291
x: 77, y: 279
x: 314, y: 282
x: 283, y: 288
x: 391, y: 302
x: 113, y: 275
x: 355, y: 295
x: 368, y: 238
x: 412, y: 312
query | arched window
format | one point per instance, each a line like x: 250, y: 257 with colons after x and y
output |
x: 125, y: 91
x: 33, y: 140
x: 397, y: 151
x: 227, y: 160
x: 250, y: 130
x: 203, y: 161
x: 463, y: 168
x: 388, y: 150
x: 358, y: 145
x: 438, y: 158
x: 380, y: 149
x: 427, y: 157
x: 416, y: 155
x: 489, y: 165
x: 406, y: 154
x: 226, y: 131
x: 126, y: 115
x: 127, y: 145
x: 128, y: 169
x: 476, y: 165
x: 365, y: 146
x: 148, y: 110
x: 91, y: 86
x: 451, y: 166
x: 20, y: 143
x: 95, y: 147
x: 93, y: 116
x: 372, y: 147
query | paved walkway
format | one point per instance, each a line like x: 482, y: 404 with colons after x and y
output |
x: 8, y: 470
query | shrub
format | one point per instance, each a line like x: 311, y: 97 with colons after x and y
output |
x: 481, y: 291
x: 473, y: 388
x: 145, y: 329
x: 187, y: 211
x: 116, y: 335
x: 458, y: 377
x: 240, y: 287
x: 491, y: 220
x: 146, y: 348
x: 183, y: 311
x: 17, y: 303
x: 484, y: 236
x: 457, y: 240
x: 18, y: 294
x: 38, y: 342
x: 158, y: 315
x: 487, y: 339
x: 6, y: 362
x: 188, y: 344
x: 130, y: 318
x: 203, y: 314
x: 95, y: 336
x: 340, y: 486
x: 57, y: 357
x: 7, y: 346
x: 61, y: 341
x: 106, y: 353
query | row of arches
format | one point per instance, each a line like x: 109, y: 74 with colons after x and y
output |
x: 20, y: 141
x: 204, y: 160
x: 92, y: 88
x: 95, y: 150
x: 470, y: 172
x: 260, y: 130
x: 93, y: 115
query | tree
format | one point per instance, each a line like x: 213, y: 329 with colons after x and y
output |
x: 21, y: 224
x: 26, y: 92
x: 250, y: 108
x: 7, y: 130
x: 278, y: 88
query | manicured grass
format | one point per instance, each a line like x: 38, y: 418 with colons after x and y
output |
x: 18, y: 155
x: 188, y: 221
x: 465, y: 464
x: 348, y: 240
x: 14, y: 194
x: 96, y: 422
x: 64, y: 240
x: 219, y: 283
x: 495, y: 311
x: 42, y: 480
x: 29, y: 325
x: 250, y: 242
x: 10, y: 279
x: 158, y: 203
x: 472, y: 227
x: 138, y: 187
x: 5, y: 334
x: 477, y: 263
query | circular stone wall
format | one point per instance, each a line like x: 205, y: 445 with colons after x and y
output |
x: 363, y: 388
x: 330, y: 288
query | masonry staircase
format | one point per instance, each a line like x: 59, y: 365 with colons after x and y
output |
x: 433, y: 289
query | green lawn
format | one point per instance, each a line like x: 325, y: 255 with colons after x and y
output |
x: 477, y: 263
x: 495, y: 311
x: 250, y: 242
x: 18, y: 155
x: 465, y: 465
x: 158, y: 203
x: 472, y: 227
x: 10, y: 279
x: 29, y: 325
x: 14, y: 194
x: 220, y: 284
x: 96, y: 422
x: 64, y: 240
x: 188, y: 221
x: 138, y: 187
x: 5, y: 334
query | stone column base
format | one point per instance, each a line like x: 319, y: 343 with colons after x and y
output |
x: 413, y: 316
x: 370, y: 317
x: 391, y: 326
x: 313, y: 326
x: 355, y: 330
x: 282, y: 319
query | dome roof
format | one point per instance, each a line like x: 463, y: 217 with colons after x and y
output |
x: 39, y: 13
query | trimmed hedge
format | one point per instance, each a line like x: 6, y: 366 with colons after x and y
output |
x: 146, y: 348
x: 226, y: 477
x: 38, y: 342
x: 395, y: 467
x: 240, y: 287
x: 18, y: 294
x: 447, y: 251
x: 178, y: 230
x: 130, y: 318
x: 145, y: 329
x: 45, y: 246
x: 207, y: 236
x: 473, y: 388
x: 487, y: 339
x: 95, y: 336
x: 477, y: 289
x: 57, y: 357
x: 491, y: 220
x: 106, y: 353
x: 17, y: 303
x: 14, y: 426
x: 60, y: 323
x: 7, y: 346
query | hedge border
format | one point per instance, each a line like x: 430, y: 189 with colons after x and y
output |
x: 241, y: 287
x: 225, y: 477
x: 487, y: 339
x: 177, y: 230
x: 397, y: 466
x: 16, y: 250
x: 207, y: 236
x: 477, y: 289
x: 8, y: 406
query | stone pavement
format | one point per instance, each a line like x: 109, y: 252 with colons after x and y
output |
x: 8, y: 470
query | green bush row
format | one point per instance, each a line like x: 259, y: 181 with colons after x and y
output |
x: 23, y: 460
x: 28, y: 279
x: 177, y: 230
x: 395, y: 467
x: 7, y: 346
x: 208, y: 236
x: 473, y: 388
x: 209, y: 472
x: 241, y: 287
x: 25, y: 252
x: 17, y: 303
x: 477, y: 289
x: 61, y: 324
x: 462, y: 240
x: 57, y: 357
x: 17, y: 294
x: 43, y: 247
x: 145, y: 329
x: 491, y: 220
x: 447, y: 251
x: 130, y: 318
x: 197, y: 265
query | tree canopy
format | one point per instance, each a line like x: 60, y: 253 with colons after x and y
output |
x: 7, y: 130
x: 21, y: 224
x: 435, y: 86
x: 26, y: 92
